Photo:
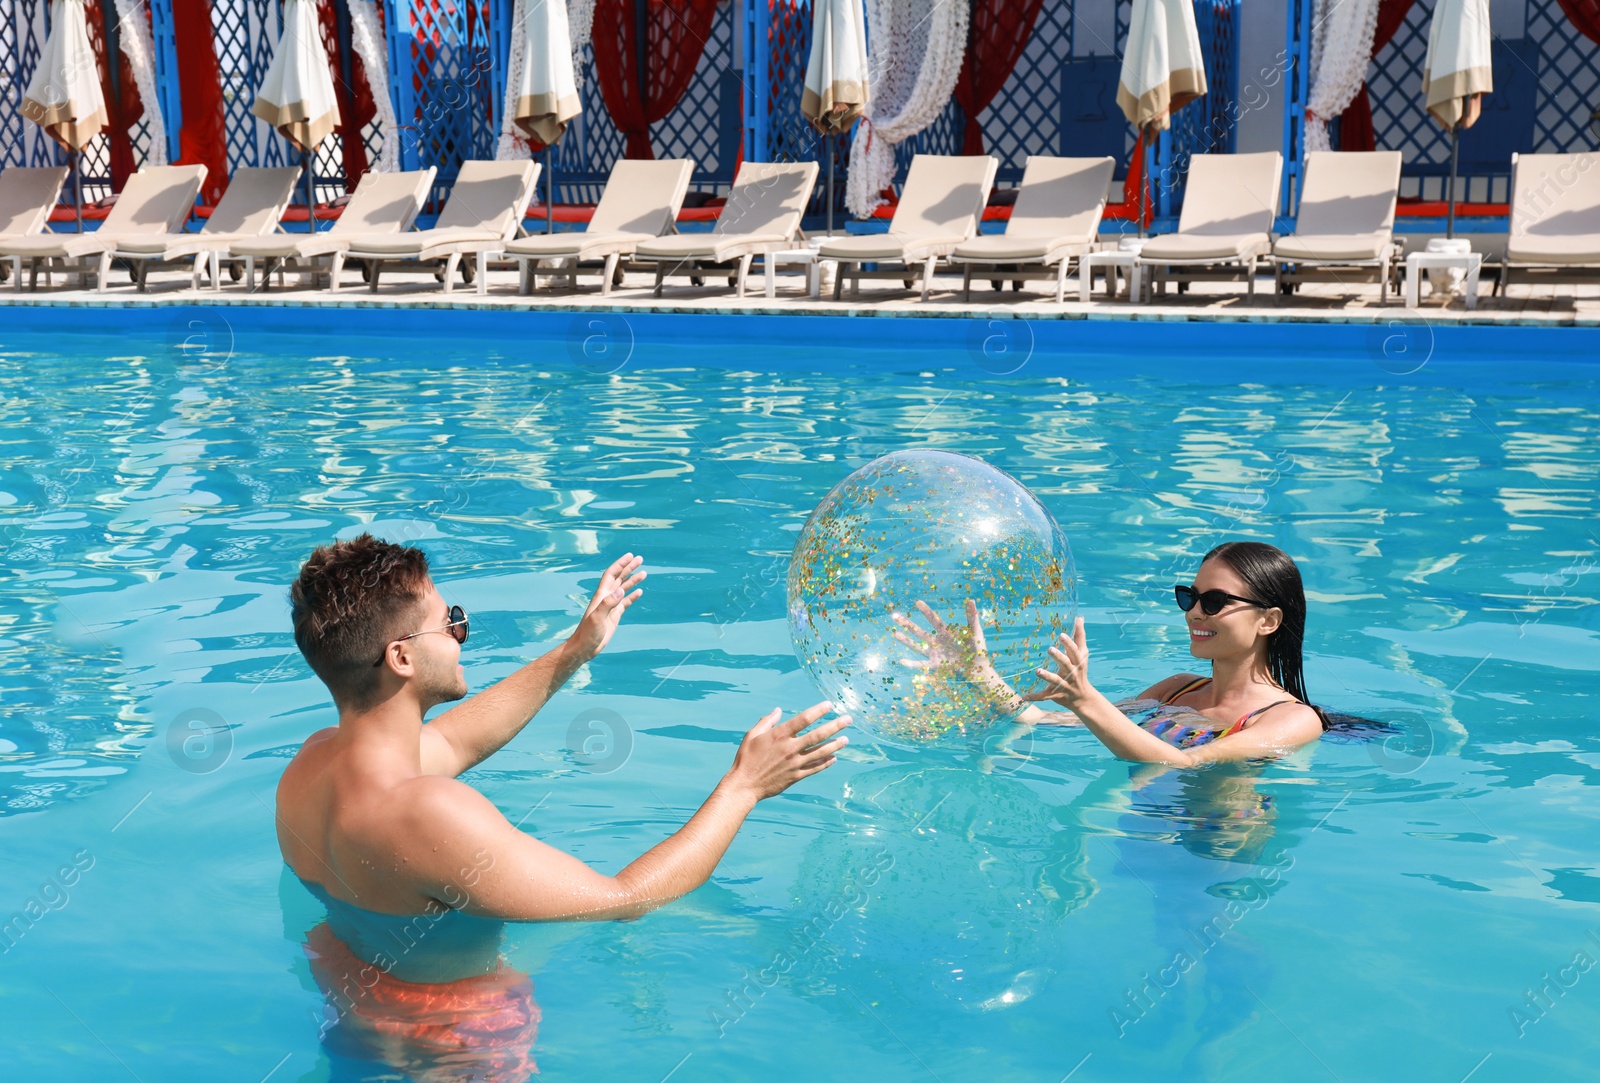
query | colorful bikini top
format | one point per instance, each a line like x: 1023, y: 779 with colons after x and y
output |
x: 1179, y: 724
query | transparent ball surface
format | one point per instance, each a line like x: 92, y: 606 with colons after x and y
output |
x: 936, y: 527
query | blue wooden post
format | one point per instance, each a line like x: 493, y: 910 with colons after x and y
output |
x: 169, y: 97
x: 1297, y: 91
x: 500, y: 32
x: 397, y: 28
x: 757, y: 84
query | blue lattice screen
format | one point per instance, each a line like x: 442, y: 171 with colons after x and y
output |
x: 1024, y: 118
x: 24, y: 26
x: 1551, y: 75
x: 703, y: 127
x: 446, y: 73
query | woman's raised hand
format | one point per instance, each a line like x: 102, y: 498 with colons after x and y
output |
x: 948, y: 647
x: 1069, y: 684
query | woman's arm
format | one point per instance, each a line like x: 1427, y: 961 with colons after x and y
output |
x: 1070, y: 687
x: 946, y: 646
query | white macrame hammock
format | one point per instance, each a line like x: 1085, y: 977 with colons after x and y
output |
x: 366, y: 38
x: 1341, y: 50
x: 139, y: 48
x: 914, y: 54
x: 580, y: 23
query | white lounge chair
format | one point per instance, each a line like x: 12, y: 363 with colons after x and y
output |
x: 1344, y: 230
x: 156, y: 200
x: 381, y: 203
x: 484, y: 211
x: 251, y: 207
x: 1056, y: 217
x: 27, y: 196
x: 939, y: 208
x: 761, y: 216
x: 1225, y: 227
x: 1555, y: 219
x: 640, y: 202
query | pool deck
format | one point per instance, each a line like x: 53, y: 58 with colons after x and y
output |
x: 1541, y: 305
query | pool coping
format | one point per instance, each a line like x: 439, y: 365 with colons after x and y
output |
x: 895, y: 308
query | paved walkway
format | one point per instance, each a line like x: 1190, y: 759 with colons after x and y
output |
x: 1538, y: 305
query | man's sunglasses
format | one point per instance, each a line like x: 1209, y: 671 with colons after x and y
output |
x: 457, y: 627
x: 1211, y: 602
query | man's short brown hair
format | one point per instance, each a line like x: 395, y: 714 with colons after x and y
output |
x: 351, y: 600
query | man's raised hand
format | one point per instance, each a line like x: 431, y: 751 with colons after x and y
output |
x: 774, y: 756
x: 611, y: 599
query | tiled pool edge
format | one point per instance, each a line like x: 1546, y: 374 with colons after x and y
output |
x: 1390, y: 346
x: 719, y: 306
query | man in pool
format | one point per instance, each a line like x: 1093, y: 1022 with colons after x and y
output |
x: 371, y: 809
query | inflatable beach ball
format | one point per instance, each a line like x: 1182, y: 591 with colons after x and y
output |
x: 937, y: 527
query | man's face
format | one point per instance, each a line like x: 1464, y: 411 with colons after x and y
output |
x: 439, y: 674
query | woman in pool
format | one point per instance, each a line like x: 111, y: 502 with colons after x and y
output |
x: 1246, y: 614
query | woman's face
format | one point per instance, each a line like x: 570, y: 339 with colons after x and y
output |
x: 1234, y: 631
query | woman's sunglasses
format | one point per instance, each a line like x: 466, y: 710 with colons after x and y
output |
x: 457, y: 627
x: 1211, y: 602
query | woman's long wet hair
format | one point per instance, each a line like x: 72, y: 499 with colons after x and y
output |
x: 1273, y: 579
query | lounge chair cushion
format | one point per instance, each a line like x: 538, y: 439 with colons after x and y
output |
x: 58, y: 244
x: 27, y: 196
x: 1003, y: 248
x: 1353, y: 246
x: 171, y: 245
x: 886, y: 246
x: 710, y: 246
x: 289, y: 245
x: 1534, y: 248
x: 582, y: 245
x: 410, y: 244
x: 1198, y: 246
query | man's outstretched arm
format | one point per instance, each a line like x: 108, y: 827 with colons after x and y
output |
x: 473, y: 731
x: 471, y: 858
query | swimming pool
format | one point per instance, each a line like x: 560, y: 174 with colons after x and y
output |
x: 1363, y: 910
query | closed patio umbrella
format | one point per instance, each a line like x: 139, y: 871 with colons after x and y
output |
x: 547, y: 99
x: 836, y: 74
x: 1457, y: 73
x: 1163, y: 69
x: 297, y: 97
x: 63, y: 97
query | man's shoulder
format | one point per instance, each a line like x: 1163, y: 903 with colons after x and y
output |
x: 438, y: 802
x: 314, y: 746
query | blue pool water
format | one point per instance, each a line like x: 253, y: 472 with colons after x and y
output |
x: 1364, y: 910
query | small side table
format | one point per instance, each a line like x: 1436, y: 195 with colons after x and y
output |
x: 1417, y: 262
x: 1110, y: 262
x: 807, y: 257
x: 804, y: 256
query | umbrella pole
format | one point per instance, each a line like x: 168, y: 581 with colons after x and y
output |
x: 77, y: 185
x: 827, y: 142
x: 549, y: 192
x: 311, y: 206
x: 1455, y: 151
x: 1144, y: 182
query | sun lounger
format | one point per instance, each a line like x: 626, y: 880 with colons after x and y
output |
x: 251, y: 207
x: 27, y: 196
x: 1224, y: 229
x: 938, y: 210
x: 1555, y: 219
x: 381, y: 203
x: 761, y: 216
x: 154, y: 201
x: 484, y: 211
x: 1344, y: 230
x: 1055, y: 218
x: 640, y: 202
